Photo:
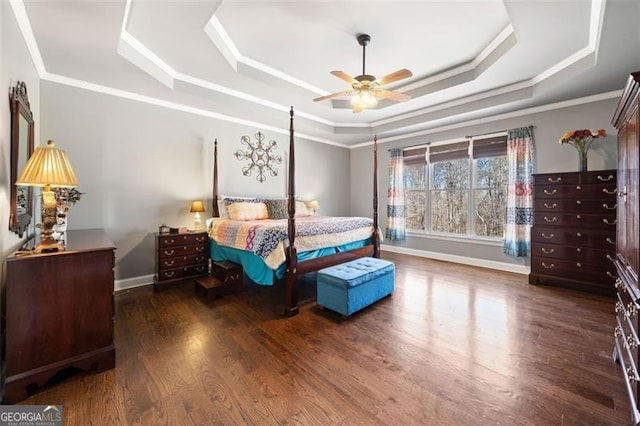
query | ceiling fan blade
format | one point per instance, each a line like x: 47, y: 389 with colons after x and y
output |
x: 344, y: 76
x: 394, y: 76
x: 388, y: 94
x: 335, y: 95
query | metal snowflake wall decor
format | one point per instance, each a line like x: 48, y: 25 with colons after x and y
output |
x: 261, y: 158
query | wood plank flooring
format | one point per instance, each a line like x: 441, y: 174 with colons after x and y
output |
x: 453, y: 345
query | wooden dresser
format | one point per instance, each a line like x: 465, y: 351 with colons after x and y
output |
x: 180, y: 257
x: 59, y: 312
x: 574, y: 232
x: 626, y: 120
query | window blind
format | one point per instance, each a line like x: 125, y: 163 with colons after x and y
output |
x: 490, y: 147
x: 452, y: 151
x: 415, y: 156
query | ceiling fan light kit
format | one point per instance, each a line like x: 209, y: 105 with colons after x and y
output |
x: 366, y: 88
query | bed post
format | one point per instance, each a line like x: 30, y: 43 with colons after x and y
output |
x: 214, y: 203
x: 291, y: 281
x: 376, y: 235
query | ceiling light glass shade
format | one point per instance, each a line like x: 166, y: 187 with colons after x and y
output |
x: 364, y: 99
x: 48, y: 165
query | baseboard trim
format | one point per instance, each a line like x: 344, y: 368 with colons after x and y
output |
x: 491, y: 264
x: 134, y: 282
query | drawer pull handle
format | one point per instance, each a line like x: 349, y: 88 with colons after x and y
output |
x: 620, y: 285
x: 610, y: 241
x: 547, y: 251
x: 545, y: 236
x: 200, y: 239
x: 579, y: 265
x: 169, y: 252
x: 630, y: 375
x: 609, y: 223
x: 169, y: 274
x: 579, y: 250
x: 167, y: 263
x: 578, y: 217
x: 578, y: 187
x: 550, y: 266
x: 200, y: 268
x: 171, y: 241
x: 553, y: 219
x: 610, y: 258
x: 199, y: 249
x: 578, y: 202
x: 631, y: 310
x: 199, y: 258
x: 606, y: 206
x: 552, y: 206
x: 546, y: 191
x: 578, y: 234
x: 606, y: 191
x: 617, y: 333
x: 552, y: 180
x: 619, y: 307
x: 631, y: 341
x: 607, y: 179
x: 609, y: 274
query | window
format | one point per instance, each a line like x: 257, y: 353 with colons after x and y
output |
x: 457, y: 188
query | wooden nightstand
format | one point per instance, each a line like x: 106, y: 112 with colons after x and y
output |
x: 180, y: 257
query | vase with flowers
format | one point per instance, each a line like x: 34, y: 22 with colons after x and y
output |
x: 581, y: 140
x: 65, y: 197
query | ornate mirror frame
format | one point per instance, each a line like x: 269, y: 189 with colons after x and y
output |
x: 22, y: 141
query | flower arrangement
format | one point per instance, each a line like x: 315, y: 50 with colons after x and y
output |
x: 581, y: 140
x: 68, y: 195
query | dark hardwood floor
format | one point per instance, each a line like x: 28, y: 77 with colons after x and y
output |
x: 453, y: 345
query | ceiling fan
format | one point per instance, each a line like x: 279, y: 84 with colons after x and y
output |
x: 366, y: 89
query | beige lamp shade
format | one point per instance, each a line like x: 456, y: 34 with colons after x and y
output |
x: 48, y: 165
x: 313, y: 205
x: 197, y: 207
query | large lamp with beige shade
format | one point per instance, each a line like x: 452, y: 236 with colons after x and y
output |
x: 197, y: 207
x: 48, y: 167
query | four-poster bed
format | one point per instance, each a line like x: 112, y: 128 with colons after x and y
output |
x: 350, y: 238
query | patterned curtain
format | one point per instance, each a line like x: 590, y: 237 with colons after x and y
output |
x: 519, y: 218
x: 395, y: 199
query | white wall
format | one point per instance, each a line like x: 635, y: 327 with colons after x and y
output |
x: 15, y: 65
x: 141, y: 165
x: 550, y: 156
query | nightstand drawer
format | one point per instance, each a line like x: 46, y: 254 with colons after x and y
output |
x: 178, y: 251
x: 173, y: 240
x: 174, y: 262
x: 187, y: 271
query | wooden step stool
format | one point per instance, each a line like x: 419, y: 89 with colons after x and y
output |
x: 226, y: 278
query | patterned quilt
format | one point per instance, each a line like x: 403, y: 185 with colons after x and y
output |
x: 268, y: 238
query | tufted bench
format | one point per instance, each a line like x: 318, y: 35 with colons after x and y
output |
x: 348, y: 287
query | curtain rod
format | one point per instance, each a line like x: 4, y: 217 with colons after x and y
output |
x: 466, y: 137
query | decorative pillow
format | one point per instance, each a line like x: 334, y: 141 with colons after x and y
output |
x: 222, y: 210
x: 301, y: 209
x: 227, y: 201
x: 247, y: 211
x: 277, y: 209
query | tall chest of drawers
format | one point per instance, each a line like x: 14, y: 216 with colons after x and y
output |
x: 180, y: 257
x: 573, y: 239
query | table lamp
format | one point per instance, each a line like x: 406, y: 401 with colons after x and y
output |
x: 313, y: 205
x: 48, y: 167
x: 197, y: 207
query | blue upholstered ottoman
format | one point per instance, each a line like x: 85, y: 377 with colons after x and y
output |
x: 351, y: 286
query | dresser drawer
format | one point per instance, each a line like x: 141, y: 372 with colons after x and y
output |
x: 176, y: 261
x: 556, y: 179
x: 576, y: 237
x: 187, y: 271
x: 173, y: 240
x: 607, y: 207
x: 602, y: 274
x: 178, y: 251
x: 579, y: 220
x: 578, y: 254
x: 582, y: 192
